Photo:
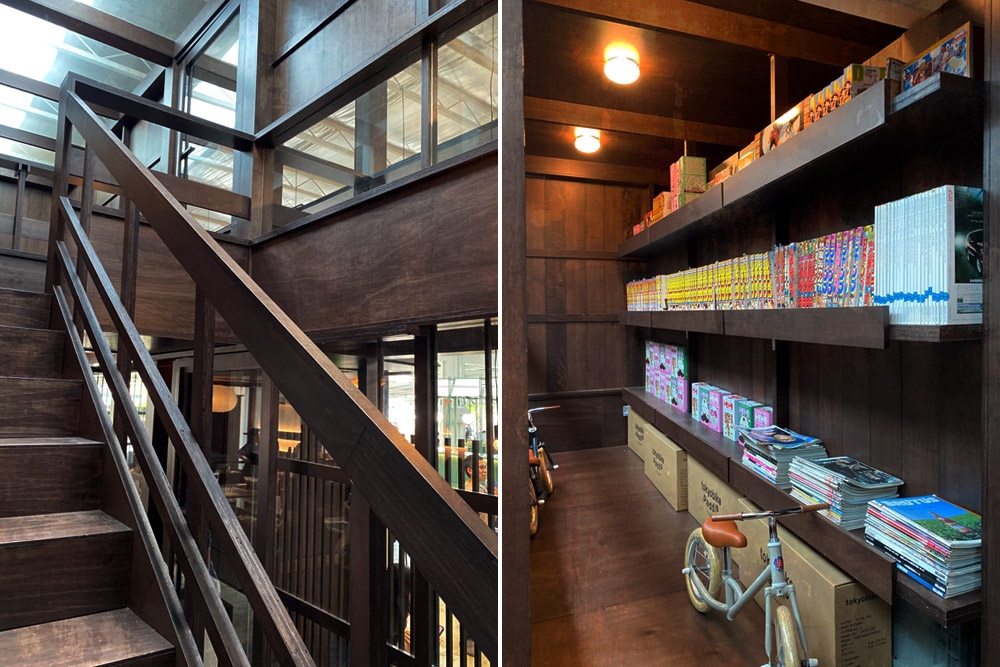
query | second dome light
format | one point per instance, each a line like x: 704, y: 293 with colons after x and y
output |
x: 621, y: 63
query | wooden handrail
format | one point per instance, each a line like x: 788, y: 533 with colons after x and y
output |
x: 455, y: 550
x: 187, y: 647
x: 269, y: 612
x: 158, y: 114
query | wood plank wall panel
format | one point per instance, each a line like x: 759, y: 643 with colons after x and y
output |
x: 343, y: 45
x: 912, y: 410
x: 576, y: 348
x: 164, y: 292
x: 424, y: 253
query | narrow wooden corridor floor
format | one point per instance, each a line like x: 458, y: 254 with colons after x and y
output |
x: 606, y: 582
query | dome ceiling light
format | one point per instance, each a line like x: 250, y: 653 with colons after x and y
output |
x: 587, y: 140
x: 621, y: 63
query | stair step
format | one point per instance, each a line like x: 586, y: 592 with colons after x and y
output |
x: 57, y: 566
x: 49, y: 475
x: 25, y: 309
x: 35, y: 353
x: 117, y: 637
x: 39, y: 407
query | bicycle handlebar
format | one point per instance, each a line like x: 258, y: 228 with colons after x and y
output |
x: 741, y: 516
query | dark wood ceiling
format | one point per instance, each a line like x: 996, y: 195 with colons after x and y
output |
x: 705, y: 73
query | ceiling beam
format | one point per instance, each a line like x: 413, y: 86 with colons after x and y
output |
x: 613, y: 120
x: 593, y: 171
x: 105, y: 28
x: 691, y: 18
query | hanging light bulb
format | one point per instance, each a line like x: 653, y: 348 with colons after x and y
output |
x: 621, y: 63
x: 224, y: 398
x: 587, y: 140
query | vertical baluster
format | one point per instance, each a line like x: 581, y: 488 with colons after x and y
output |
x: 86, y: 209
x: 22, y: 177
x: 491, y: 482
x: 368, y: 586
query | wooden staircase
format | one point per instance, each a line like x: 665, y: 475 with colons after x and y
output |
x: 65, y: 565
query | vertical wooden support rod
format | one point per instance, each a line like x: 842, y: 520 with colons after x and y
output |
x: 425, y: 427
x: 86, y: 209
x: 22, y: 177
x: 267, y: 494
x: 779, y: 86
x: 428, y: 112
x: 369, y: 603
x: 130, y: 263
x: 491, y: 482
x: 60, y: 188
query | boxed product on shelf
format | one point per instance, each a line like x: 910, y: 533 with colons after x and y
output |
x: 707, y: 494
x: 781, y: 130
x: 855, y: 80
x: 661, y: 204
x: 723, y: 171
x: 845, y: 623
x: 696, y: 405
x: 763, y: 415
x: 715, y: 409
x: 951, y: 55
x: 929, y: 257
x: 744, y: 413
x: 666, y: 468
x: 729, y: 403
x: 750, y: 154
x: 688, y: 174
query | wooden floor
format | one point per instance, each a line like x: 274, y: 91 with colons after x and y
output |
x: 606, y: 582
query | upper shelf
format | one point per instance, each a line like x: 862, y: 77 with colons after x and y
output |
x: 867, y: 127
x: 845, y: 548
x: 850, y: 327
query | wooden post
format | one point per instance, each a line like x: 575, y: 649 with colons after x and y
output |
x: 86, y: 209
x: 60, y: 188
x: 22, y: 176
x: 516, y: 617
x: 130, y: 265
x: 267, y: 495
x: 428, y: 110
x: 369, y: 603
x: 425, y: 431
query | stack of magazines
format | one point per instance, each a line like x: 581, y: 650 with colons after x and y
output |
x: 845, y: 483
x: 935, y: 542
x: 769, y: 450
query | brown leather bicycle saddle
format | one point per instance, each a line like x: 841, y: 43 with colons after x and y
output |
x: 723, y: 534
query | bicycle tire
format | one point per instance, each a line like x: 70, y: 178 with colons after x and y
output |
x: 547, y: 484
x: 704, y: 561
x: 786, y: 638
x: 533, y: 520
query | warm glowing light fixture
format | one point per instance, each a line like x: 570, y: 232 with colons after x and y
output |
x: 587, y: 140
x: 621, y: 63
x: 223, y: 398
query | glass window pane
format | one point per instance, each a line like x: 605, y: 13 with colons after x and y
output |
x: 467, y: 90
x: 45, y: 52
x: 212, y: 165
x: 211, y: 83
x: 368, y: 142
x: 168, y: 18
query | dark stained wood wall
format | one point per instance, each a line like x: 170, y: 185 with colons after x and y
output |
x: 353, y: 38
x: 576, y: 290
x: 425, y: 252
x: 164, y: 304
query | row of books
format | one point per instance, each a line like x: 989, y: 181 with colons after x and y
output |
x: 831, y: 271
x: 935, y: 542
x: 769, y: 451
x: 845, y: 483
x: 929, y: 266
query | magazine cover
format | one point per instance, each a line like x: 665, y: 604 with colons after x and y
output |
x: 774, y: 437
x: 856, y: 472
x: 951, y: 524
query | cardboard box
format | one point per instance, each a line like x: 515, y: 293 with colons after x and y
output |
x: 784, y: 128
x: 666, y: 467
x: 729, y: 414
x: 678, y: 199
x: 846, y: 624
x: 707, y: 494
x: 696, y: 400
x: 688, y: 174
x: 715, y: 409
x: 637, y: 429
x: 705, y: 403
x: 952, y: 54
x: 680, y: 398
x: 750, y: 154
x: 763, y: 415
x: 744, y: 413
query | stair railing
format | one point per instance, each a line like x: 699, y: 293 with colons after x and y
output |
x: 454, y: 549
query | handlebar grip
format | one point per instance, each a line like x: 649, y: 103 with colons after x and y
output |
x: 815, y: 508
x: 728, y: 517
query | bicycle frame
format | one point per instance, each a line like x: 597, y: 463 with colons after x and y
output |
x: 737, y: 597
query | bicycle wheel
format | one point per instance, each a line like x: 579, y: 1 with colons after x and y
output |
x: 533, y: 522
x: 546, y: 474
x: 705, y: 562
x: 787, y: 639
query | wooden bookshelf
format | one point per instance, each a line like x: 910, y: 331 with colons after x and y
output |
x: 866, y: 127
x: 846, y: 549
x: 850, y: 327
